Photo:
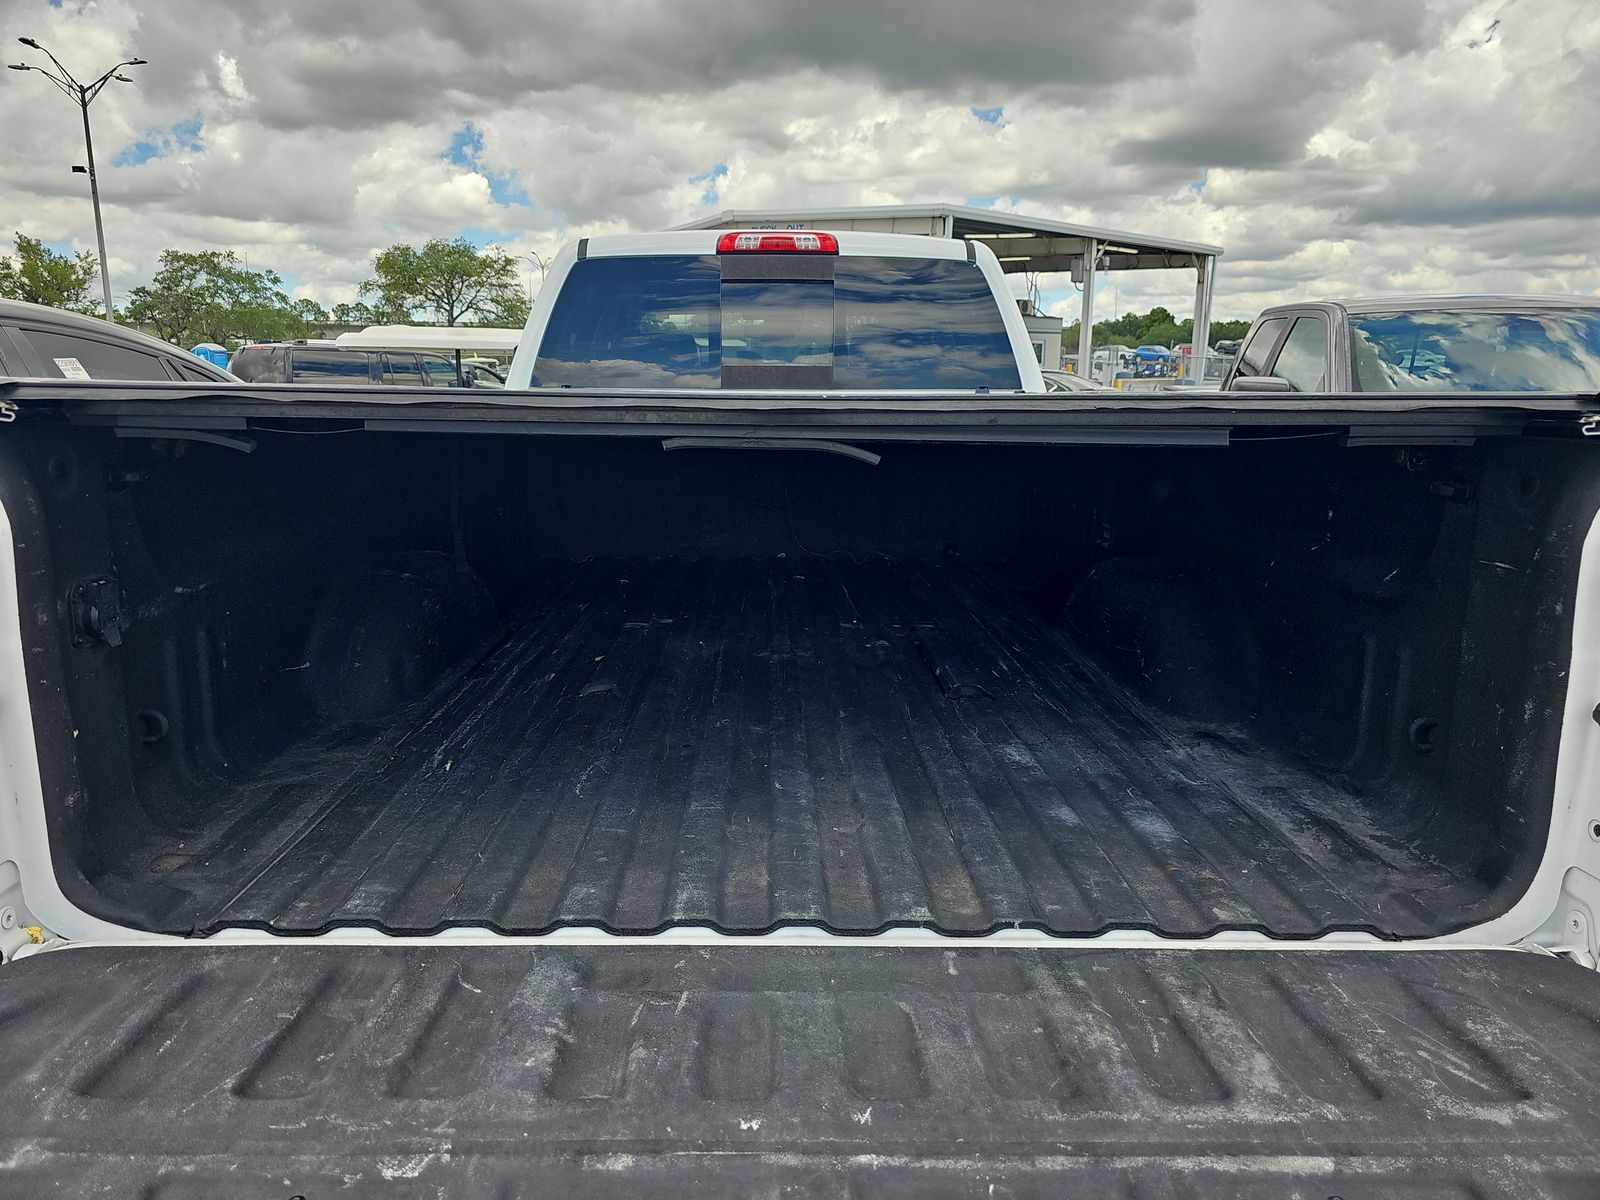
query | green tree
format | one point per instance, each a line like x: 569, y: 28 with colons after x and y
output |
x: 450, y: 281
x: 311, y: 316
x: 362, y: 313
x: 1119, y: 329
x: 211, y: 296
x: 1229, y: 331
x: 39, y: 275
x: 1154, y: 328
x: 510, y: 311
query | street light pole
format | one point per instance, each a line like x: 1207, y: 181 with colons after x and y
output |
x: 543, y: 264
x: 99, y: 227
x: 83, y: 95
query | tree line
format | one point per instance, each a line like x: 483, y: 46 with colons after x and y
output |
x: 214, y: 296
x: 1158, y: 327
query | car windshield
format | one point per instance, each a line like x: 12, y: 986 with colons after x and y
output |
x: 676, y: 322
x: 1473, y: 350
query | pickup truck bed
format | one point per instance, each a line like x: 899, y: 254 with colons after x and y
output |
x: 407, y: 681
x: 365, y: 666
x: 754, y: 744
x: 277, y: 1071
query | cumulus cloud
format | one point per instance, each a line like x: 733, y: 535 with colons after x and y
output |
x: 1332, y: 146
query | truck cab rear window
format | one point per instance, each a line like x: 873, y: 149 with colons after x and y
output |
x: 1474, y: 350
x: 675, y: 322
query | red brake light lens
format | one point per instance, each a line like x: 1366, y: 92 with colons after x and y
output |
x: 802, y: 242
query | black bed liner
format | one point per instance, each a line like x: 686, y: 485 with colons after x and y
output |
x: 276, y: 1071
x: 665, y: 743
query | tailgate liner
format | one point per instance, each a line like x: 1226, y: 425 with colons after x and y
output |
x: 274, y: 1071
x: 749, y: 745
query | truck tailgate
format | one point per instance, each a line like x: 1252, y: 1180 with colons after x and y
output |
x: 767, y: 1070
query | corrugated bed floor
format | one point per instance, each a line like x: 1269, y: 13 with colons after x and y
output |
x: 750, y: 745
x: 272, y: 1071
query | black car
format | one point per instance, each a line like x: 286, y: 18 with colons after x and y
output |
x: 325, y: 364
x: 37, y: 342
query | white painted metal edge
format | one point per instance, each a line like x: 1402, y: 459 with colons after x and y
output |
x: 430, y: 337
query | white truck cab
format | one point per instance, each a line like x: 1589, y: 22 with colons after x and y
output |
x: 776, y: 310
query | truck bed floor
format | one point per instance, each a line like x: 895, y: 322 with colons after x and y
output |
x: 750, y: 745
x: 273, y: 1071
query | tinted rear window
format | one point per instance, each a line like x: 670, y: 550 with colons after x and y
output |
x: 878, y: 323
x: 260, y: 364
x: 441, y: 371
x: 193, y: 374
x: 331, y: 366
x: 71, y: 357
x: 1475, y: 350
x: 402, y: 370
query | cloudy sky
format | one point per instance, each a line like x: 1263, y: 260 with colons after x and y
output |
x: 1331, y: 146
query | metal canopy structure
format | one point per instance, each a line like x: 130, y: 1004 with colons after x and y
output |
x: 1023, y: 244
x: 470, y: 339
x: 456, y: 339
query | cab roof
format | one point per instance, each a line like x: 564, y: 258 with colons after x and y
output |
x: 704, y: 241
x: 1384, y: 304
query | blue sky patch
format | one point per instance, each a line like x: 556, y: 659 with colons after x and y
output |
x: 713, y: 182
x: 466, y: 150
x: 1065, y: 302
x: 990, y: 116
x: 481, y: 237
x: 466, y: 144
x: 506, y: 190
x: 187, y: 133
x: 136, y: 154
x: 184, y: 135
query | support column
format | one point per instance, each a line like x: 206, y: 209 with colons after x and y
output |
x: 1205, y: 269
x: 1091, y: 251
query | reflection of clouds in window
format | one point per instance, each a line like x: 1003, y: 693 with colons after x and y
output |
x: 936, y: 360
x: 1506, y: 351
x: 778, y: 322
x: 670, y: 322
x: 919, y: 323
x: 634, y: 322
x: 621, y: 373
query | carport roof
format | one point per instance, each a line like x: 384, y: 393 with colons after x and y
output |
x: 1022, y: 243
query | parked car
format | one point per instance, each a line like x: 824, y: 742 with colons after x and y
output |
x: 1069, y: 381
x: 325, y: 364
x: 485, y: 372
x: 37, y: 342
x: 1153, y: 361
x: 1423, y: 344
